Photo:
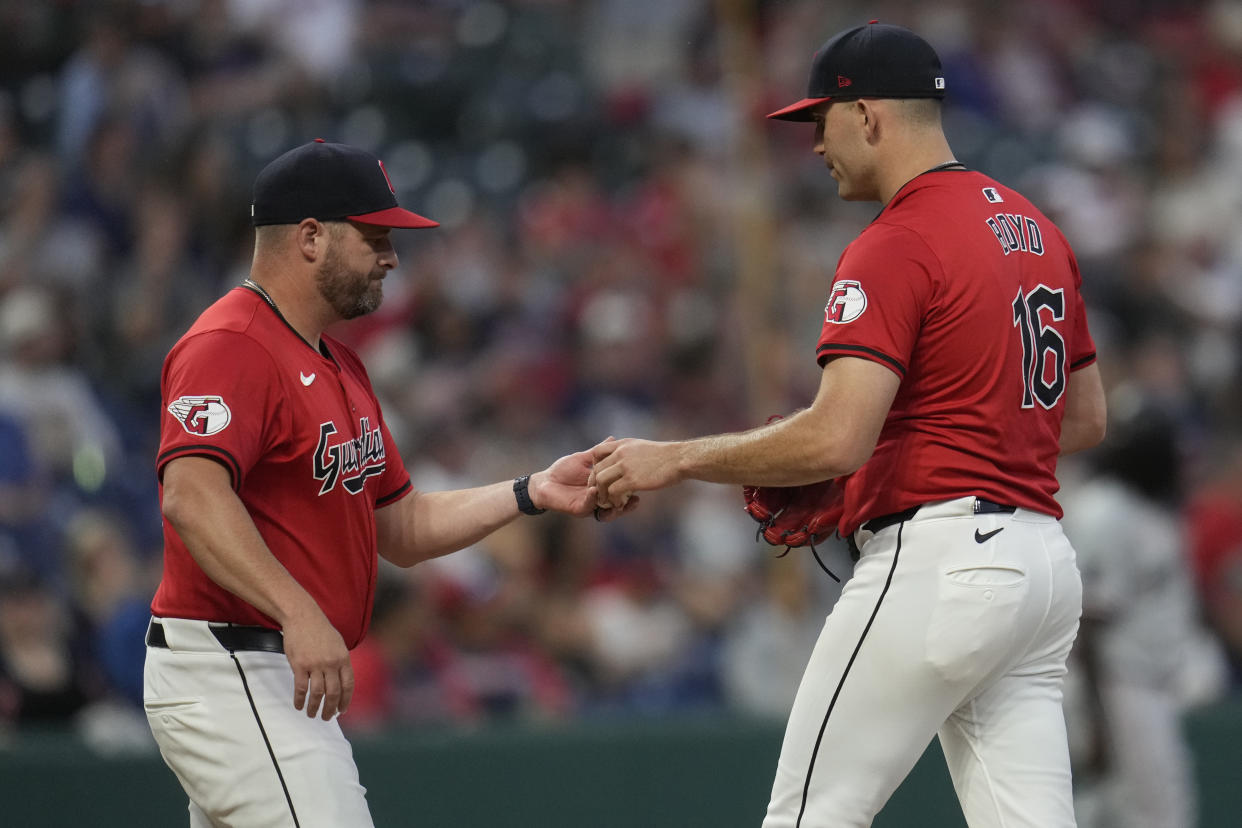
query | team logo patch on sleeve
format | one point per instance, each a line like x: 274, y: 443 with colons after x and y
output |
x: 203, y: 416
x: 847, y: 303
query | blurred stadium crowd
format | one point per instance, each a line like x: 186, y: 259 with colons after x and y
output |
x: 627, y: 248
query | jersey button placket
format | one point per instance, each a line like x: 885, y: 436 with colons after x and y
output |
x: 355, y: 427
x: 340, y: 382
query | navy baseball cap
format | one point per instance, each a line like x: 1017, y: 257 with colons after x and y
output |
x: 878, y: 60
x: 329, y: 182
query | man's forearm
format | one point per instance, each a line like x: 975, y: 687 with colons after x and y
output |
x: 789, y: 452
x: 437, y: 523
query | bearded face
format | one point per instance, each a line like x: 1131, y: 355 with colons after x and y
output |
x: 351, y: 290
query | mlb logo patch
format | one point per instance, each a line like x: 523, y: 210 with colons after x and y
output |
x: 992, y: 196
x: 940, y: 83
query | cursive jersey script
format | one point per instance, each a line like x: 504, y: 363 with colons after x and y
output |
x: 351, y: 461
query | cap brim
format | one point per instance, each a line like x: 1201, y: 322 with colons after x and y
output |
x: 798, y: 111
x: 394, y: 217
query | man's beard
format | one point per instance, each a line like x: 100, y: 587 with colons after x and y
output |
x: 351, y: 294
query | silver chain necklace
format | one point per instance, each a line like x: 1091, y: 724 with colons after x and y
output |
x: 258, y: 288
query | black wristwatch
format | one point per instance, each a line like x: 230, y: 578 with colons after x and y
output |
x: 525, y: 505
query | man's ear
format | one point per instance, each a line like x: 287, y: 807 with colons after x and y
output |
x: 311, y: 238
x: 868, y: 117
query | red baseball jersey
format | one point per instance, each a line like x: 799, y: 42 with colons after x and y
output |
x: 971, y: 296
x: 303, y: 438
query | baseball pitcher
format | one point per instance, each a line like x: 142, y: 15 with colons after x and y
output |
x: 956, y: 366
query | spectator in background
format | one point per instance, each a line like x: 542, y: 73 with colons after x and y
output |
x: 491, y: 666
x: 42, y: 387
x: 641, y: 640
x: 25, y: 524
x: 65, y: 443
x: 1141, y: 656
x: 318, y: 38
x: 1214, y: 516
x: 89, y: 78
x: 437, y: 651
x: 117, y: 78
x: 715, y: 571
x: 159, y: 288
x: 767, y: 648
x: 39, y: 240
x: 112, y: 589
x: 611, y: 616
x: 398, y: 680
x: 43, y: 679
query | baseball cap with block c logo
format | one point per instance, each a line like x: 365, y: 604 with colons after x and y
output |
x: 329, y: 182
x: 878, y: 60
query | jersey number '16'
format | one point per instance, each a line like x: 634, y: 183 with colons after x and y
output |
x: 1043, y: 347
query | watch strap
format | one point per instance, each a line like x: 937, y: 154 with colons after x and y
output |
x: 521, y: 491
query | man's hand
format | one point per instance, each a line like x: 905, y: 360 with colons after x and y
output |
x: 568, y: 485
x: 320, y: 662
x: 623, y: 467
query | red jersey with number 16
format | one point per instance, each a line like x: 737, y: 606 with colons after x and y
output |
x: 303, y: 438
x: 971, y: 296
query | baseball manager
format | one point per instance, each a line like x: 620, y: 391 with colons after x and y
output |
x: 280, y: 485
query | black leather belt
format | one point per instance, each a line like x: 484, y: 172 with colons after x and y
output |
x: 233, y: 639
x: 982, y: 507
x: 885, y: 521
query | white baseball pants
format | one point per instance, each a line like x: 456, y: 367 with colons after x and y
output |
x: 226, y: 726
x: 940, y: 633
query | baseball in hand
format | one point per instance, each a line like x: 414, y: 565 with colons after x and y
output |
x: 625, y: 498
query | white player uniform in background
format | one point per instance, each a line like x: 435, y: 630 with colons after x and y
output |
x: 1154, y: 659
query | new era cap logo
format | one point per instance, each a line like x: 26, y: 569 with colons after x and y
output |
x: 843, y: 82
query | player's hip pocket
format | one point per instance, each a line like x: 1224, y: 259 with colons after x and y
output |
x: 171, y: 705
x: 169, y: 717
x: 985, y: 575
x: 973, y: 622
